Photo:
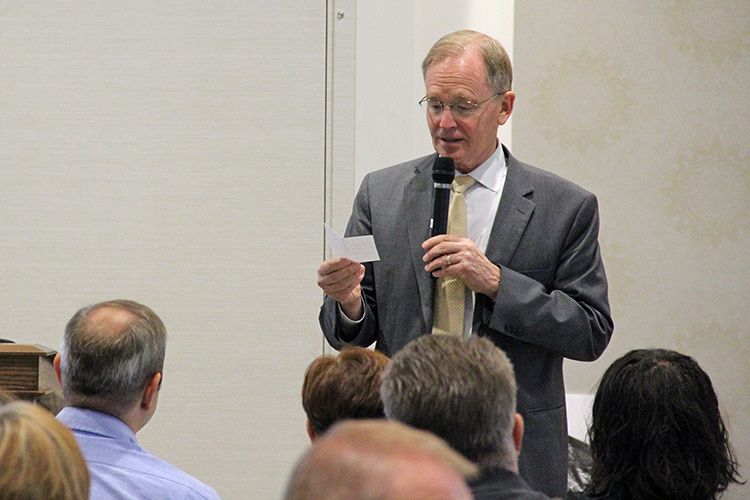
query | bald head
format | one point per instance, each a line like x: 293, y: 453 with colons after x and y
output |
x: 110, y: 351
x: 109, y: 321
x: 380, y: 460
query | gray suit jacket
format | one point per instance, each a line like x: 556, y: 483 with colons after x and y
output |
x: 494, y: 484
x: 552, y: 302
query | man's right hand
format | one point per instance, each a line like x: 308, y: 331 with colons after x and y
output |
x: 340, y: 279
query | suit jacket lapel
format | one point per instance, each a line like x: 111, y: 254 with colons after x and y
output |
x: 513, y: 213
x: 418, y: 196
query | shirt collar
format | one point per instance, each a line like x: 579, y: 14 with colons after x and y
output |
x: 491, y: 173
x: 94, y: 422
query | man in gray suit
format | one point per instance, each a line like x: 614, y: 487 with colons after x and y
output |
x: 531, y: 261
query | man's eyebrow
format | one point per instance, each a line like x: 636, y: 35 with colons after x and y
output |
x: 456, y: 98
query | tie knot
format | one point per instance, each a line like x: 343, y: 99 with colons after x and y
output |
x: 462, y: 182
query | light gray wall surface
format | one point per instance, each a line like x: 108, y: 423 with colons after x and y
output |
x: 646, y: 104
x: 173, y: 153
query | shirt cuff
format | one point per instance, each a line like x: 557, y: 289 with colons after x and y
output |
x: 348, y: 321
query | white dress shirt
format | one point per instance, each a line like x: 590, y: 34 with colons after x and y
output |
x: 482, y: 200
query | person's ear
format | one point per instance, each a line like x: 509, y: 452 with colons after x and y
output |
x: 310, y: 431
x: 58, y: 371
x: 518, y: 432
x: 150, y: 391
x: 506, y: 107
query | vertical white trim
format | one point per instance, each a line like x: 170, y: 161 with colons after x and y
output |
x: 340, y: 111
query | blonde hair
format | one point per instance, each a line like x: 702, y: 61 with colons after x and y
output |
x: 39, y: 456
x: 496, y: 61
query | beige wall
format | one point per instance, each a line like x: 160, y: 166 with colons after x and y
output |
x: 646, y: 104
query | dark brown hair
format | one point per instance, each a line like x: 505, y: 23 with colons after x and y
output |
x: 657, y: 432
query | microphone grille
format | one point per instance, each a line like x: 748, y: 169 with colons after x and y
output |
x: 443, y: 170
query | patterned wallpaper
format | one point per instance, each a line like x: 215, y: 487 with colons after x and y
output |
x: 647, y: 104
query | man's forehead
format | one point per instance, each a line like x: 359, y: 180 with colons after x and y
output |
x: 466, y: 70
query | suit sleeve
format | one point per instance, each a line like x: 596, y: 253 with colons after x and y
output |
x: 572, y: 316
x: 337, y: 332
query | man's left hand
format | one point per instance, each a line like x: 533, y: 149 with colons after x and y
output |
x: 453, y: 256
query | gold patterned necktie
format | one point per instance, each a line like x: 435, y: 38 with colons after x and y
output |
x: 450, y: 292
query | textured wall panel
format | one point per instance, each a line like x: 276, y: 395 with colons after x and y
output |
x: 645, y: 104
x: 173, y: 153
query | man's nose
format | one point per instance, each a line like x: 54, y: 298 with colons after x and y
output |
x: 446, y: 118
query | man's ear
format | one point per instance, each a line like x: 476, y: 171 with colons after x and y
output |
x: 518, y: 432
x: 310, y: 431
x: 150, y: 391
x: 56, y: 362
x: 506, y: 107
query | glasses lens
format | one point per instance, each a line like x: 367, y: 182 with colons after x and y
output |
x: 462, y: 107
x: 432, y: 106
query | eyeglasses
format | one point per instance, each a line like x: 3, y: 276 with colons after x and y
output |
x: 461, y: 108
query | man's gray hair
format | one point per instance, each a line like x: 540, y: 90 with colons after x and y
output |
x: 462, y: 390
x: 106, y: 366
x: 496, y: 61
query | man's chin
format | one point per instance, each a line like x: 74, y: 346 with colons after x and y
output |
x: 450, y: 149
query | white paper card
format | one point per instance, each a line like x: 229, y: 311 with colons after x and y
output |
x: 357, y: 248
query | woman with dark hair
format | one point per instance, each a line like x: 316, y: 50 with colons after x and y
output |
x: 657, y: 432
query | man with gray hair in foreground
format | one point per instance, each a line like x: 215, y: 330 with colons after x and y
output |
x: 110, y: 367
x: 379, y: 460
x: 464, y: 391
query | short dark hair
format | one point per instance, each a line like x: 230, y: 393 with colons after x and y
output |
x: 105, y: 366
x: 461, y: 389
x: 657, y: 432
x: 343, y: 387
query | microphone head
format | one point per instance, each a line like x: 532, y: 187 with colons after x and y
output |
x: 443, y: 170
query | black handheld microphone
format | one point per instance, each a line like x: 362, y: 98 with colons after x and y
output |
x: 443, y: 172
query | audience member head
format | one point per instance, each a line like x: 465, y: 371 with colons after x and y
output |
x: 657, y: 432
x: 342, y: 387
x: 111, y: 360
x: 380, y: 460
x: 461, y: 389
x: 39, y: 456
x: 497, y: 63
